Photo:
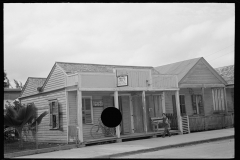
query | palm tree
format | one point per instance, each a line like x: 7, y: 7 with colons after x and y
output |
x: 19, y: 116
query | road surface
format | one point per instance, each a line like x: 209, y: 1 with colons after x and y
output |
x: 219, y: 149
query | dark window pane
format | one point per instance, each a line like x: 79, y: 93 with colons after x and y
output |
x: 88, y: 104
x: 54, y: 121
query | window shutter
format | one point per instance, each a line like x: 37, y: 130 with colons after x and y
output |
x: 88, y: 114
x: 182, y: 104
x: 57, y: 115
x: 174, y: 105
x: 50, y: 111
x: 194, y: 105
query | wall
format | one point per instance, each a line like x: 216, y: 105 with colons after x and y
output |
x: 56, y: 80
x: 200, y: 74
x: 230, y: 99
x: 208, y: 108
x: 42, y: 104
x: 98, y: 80
x: 136, y: 78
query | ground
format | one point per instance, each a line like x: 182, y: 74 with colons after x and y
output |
x: 219, y: 149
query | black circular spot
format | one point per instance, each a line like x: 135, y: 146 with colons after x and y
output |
x: 111, y: 117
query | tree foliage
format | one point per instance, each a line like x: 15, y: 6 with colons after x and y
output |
x: 18, y: 84
x: 20, y: 116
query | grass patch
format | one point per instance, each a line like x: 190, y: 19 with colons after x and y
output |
x: 13, y: 146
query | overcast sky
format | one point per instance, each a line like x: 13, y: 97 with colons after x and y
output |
x: 36, y: 35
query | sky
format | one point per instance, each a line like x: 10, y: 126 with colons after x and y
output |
x: 36, y: 35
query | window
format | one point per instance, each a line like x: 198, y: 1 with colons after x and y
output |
x: 218, y: 100
x: 87, y: 111
x: 182, y: 104
x: 54, y: 114
x: 197, y: 104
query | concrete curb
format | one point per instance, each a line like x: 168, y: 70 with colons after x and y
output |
x: 165, y: 147
x: 43, y: 150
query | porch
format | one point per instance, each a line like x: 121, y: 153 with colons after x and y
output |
x: 136, y: 119
x: 128, y: 137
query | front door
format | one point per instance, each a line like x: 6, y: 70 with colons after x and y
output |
x: 137, y: 114
x: 153, y: 108
x: 124, y: 108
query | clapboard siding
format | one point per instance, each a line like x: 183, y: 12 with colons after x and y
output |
x: 42, y: 102
x: 168, y: 101
x: 230, y: 100
x: 136, y: 78
x: 208, y: 101
x: 56, y: 80
x: 87, y: 128
x: 72, y: 104
x: 208, y: 108
x: 200, y: 74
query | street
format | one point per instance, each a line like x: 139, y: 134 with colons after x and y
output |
x: 219, y: 149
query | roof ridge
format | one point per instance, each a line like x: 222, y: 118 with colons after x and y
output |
x: 104, y: 64
x: 179, y: 62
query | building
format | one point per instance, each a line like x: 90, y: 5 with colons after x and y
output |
x: 10, y: 94
x: 75, y: 94
x: 227, y: 72
x: 202, y: 94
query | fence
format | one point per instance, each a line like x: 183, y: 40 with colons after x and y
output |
x: 30, y: 140
x: 200, y: 123
x: 174, y: 122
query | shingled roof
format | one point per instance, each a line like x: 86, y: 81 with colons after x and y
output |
x: 34, y: 83
x: 227, y: 72
x: 179, y: 68
x: 71, y: 68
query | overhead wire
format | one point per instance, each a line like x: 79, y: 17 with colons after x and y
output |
x: 218, y: 51
x: 220, y: 56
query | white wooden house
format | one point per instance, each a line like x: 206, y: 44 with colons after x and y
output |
x: 75, y: 94
x: 202, y: 94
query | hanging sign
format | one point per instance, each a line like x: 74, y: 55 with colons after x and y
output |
x: 122, y: 80
x: 97, y: 103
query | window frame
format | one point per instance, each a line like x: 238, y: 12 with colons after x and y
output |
x: 222, y: 101
x: 195, y: 97
x: 56, y: 114
x: 184, y: 104
x: 91, y: 106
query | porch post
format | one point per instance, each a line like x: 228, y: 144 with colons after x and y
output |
x: 79, y: 115
x: 163, y: 102
x: 144, y: 111
x: 225, y: 99
x: 178, y: 112
x: 116, y: 105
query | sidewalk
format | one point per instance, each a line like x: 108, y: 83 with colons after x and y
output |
x: 135, y: 146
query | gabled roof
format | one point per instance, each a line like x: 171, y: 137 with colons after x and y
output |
x: 71, y: 68
x: 227, y: 72
x: 183, y: 67
x: 179, y: 68
x: 35, y: 82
